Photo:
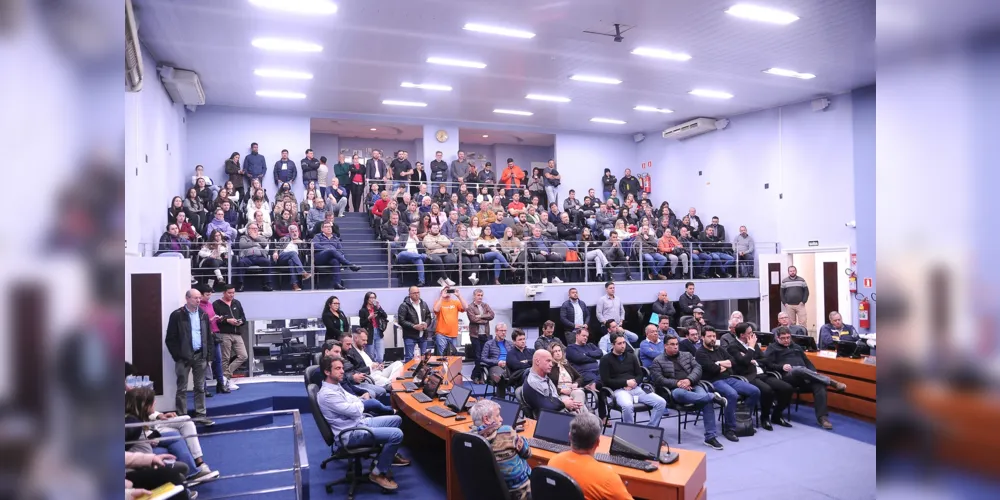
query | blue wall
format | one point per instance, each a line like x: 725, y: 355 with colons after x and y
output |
x: 864, y: 187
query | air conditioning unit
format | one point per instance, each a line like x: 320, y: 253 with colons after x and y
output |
x: 133, y: 52
x: 689, y: 129
x: 183, y: 86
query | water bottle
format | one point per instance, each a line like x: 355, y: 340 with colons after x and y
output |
x: 146, y: 382
x: 130, y: 381
x: 416, y: 351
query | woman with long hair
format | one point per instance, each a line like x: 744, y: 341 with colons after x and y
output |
x: 424, y: 226
x: 235, y: 173
x: 489, y: 248
x: 139, y: 408
x: 591, y: 249
x: 214, y: 254
x: 176, y: 206
x: 475, y: 229
x: 566, y: 379
x: 204, y: 191
x: 334, y: 319
x: 195, y: 209
x: 234, y: 195
x: 374, y: 320
x: 513, y: 248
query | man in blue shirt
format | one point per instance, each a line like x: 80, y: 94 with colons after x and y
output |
x: 663, y: 327
x: 329, y: 252
x: 836, y: 330
x: 190, y: 343
x: 494, y: 357
x: 540, y: 250
x: 651, y: 347
x: 254, y: 165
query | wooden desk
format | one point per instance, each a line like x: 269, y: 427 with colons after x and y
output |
x: 681, y: 480
x: 860, y: 379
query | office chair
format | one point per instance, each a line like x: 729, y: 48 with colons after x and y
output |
x: 611, y: 403
x: 528, y: 411
x: 307, y: 375
x: 682, y: 409
x: 477, y: 469
x: 547, y: 482
x: 353, y: 454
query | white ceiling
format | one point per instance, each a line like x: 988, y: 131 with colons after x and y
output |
x: 370, y: 47
x: 363, y: 129
x: 521, y: 138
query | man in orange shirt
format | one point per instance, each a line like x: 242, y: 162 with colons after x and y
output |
x: 512, y: 175
x: 446, y: 310
x: 597, y: 480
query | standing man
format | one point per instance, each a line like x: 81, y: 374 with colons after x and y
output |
x: 573, y: 313
x: 375, y: 170
x: 744, y: 247
x: 480, y: 314
x: 552, y: 181
x: 620, y: 371
x: 487, y: 177
x: 459, y: 169
x: 402, y: 170
x: 231, y: 318
x: 794, y: 295
x: 190, y: 343
x: 609, y: 306
x: 285, y: 170
x: 748, y: 362
x: 628, y: 185
x: 717, y: 366
x: 342, y: 171
x: 439, y: 171
x: 254, y: 166
x: 413, y: 316
x: 512, y: 176
x: 788, y: 358
x: 310, y: 170
x: 446, y: 309
x: 688, y: 301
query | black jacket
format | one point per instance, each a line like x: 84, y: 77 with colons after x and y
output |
x: 310, y: 170
x: 226, y: 311
x: 615, y: 372
x: 663, y: 309
x: 608, y: 182
x: 686, y: 304
x: 661, y: 372
x: 357, y: 363
x: 178, y: 339
x: 585, y: 359
x: 406, y: 316
x: 711, y: 371
x: 628, y: 185
x: 742, y: 358
x: 687, y: 345
x: 778, y: 355
x: 365, y: 322
x: 573, y: 374
x: 335, y: 327
x: 566, y: 315
x: 439, y: 171
x: 518, y: 362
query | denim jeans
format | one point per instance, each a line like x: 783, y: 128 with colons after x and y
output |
x: 373, y: 390
x: 334, y: 258
x: 723, y: 262
x: 477, y: 351
x: 702, y: 263
x: 387, y: 433
x: 746, y: 265
x: 416, y: 259
x: 375, y: 349
x: 552, y: 194
x: 258, y: 260
x: 499, y: 262
x: 177, y: 448
x: 217, y: 372
x: 732, y: 389
x: 408, y: 345
x: 624, y: 399
x: 294, y: 264
x: 654, y: 262
x: 698, y: 396
x: 441, y: 342
x: 376, y: 407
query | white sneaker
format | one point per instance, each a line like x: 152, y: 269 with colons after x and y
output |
x: 442, y: 282
x: 473, y: 279
x: 231, y: 385
x: 556, y: 280
x: 545, y: 281
x: 218, y: 274
x: 449, y: 282
x: 202, y: 475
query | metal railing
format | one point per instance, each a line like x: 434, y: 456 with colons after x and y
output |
x: 300, y: 459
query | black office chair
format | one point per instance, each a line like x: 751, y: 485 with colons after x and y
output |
x: 797, y: 393
x: 310, y: 370
x: 477, y: 469
x: 683, y: 410
x: 353, y: 454
x: 547, y: 482
x: 526, y: 410
x: 611, y: 403
x: 683, y: 320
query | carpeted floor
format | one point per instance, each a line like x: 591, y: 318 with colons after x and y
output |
x: 804, y: 462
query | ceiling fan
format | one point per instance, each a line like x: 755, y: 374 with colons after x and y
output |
x: 618, y: 32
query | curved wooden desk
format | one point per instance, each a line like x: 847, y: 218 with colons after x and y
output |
x: 682, y: 480
x: 859, y: 398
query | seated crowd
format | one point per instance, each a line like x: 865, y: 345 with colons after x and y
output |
x: 489, y: 224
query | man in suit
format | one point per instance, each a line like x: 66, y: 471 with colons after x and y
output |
x: 573, y: 313
x: 190, y: 343
x: 748, y: 361
x: 375, y: 169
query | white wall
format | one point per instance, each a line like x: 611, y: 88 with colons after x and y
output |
x: 582, y: 158
x: 327, y: 145
x: 805, y: 156
x: 155, y: 136
x: 214, y: 133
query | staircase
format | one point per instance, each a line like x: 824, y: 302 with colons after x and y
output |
x: 362, y: 248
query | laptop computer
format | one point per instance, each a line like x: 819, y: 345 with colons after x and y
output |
x: 457, y: 398
x: 641, y: 442
x: 851, y: 349
x: 510, y: 411
x: 431, y: 384
x: 553, y: 426
x: 807, y: 343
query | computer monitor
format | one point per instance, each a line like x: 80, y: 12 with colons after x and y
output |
x: 457, y: 398
x: 807, y: 343
x: 277, y: 324
x: 851, y: 349
x: 422, y: 368
x: 553, y: 426
x: 765, y: 338
x: 431, y: 384
x: 298, y: 323
x: 509, y: 411
x: 636, y: 441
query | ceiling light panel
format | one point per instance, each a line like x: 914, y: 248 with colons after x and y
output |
x: 425, y: 86
x: 282, y: 73
x: 512, y: 112
x: 789, y: 73
x: 608, y: 120
x: 595, y: 79
x: 285, y: 45
x: 280, y: 94
x: 661, y: 54
x: 496, y: 30
x: 456, y: 62
x: 551, y: 98
x: 653, y: 109
x: 391, y: 102
x: 312, y: 7
x: 762, y: 14
x: 714, y: 94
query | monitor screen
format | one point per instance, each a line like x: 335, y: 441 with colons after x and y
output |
x: 509, y: 411
x: 553, y: 426
x: 431, y: 384
x: 457, y: 398
x: 636, y: 441
x: 807, y: 343
x: 765, y: 338
x: 529, y: 313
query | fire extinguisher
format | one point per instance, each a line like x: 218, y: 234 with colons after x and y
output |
x: 853, y: 279
x: 647, y: 183
x: 863, y: 310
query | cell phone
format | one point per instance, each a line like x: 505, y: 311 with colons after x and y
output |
x: 451, y: 290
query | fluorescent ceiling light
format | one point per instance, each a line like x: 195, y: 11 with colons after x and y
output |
x: 485, y: 136
x: 714, y: 94
x: 651, y: 108
x: 318, y: 7
x: 496, y: 30
x: 661, y: 54
x: 512, y: 112
x: 607, y: 120
x: 553, y: 98
x: 285, y: 45
x: 281, y: 94
x: 391, y: 102
x: 373, y: 129
x: 425, y: 86
x: 281, y: 73
x: 456, y: 62
x: 595, y: 79
x: 790, y: 73
x: 763, y: 14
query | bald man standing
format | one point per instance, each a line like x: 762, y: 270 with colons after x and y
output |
x: 189, y: 341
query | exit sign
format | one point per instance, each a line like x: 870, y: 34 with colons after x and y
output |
x: 868, y: 282
x: 814, y: 243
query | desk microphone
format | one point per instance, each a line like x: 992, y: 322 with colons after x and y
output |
x: 668, y: 457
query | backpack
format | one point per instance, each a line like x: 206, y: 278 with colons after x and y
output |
x: 744, y: 420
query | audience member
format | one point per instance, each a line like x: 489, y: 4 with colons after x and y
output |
x: 253, y: 251
x: 494, y: 358
x: 613, y: 327
x: 145, y: 472
x: 662, y: 306
x: 480, y: 314
x: 794, y: 296
x: 836, y: 331
x: 539, y: 248
x: 569, y: 381
x: 358, y: 373
x: 438, y: 254
x: 651, y: 347
x: 609, y: 307
x: 334, y: 319
x: 621, y: 372
x: 190, y: 342
x: 446, y: 310
x: 716, y: 366
x: 171, y: 244
x: 545, y: 337
x: 512, y: 176
x: 231, y: 318
x: 413, y: 316
x: 616, y: 254
x: 748, y: 360
x: 373, y: 406
x: 677, y: 372
x: 692, y: 340
x: 597, y: 480
x: 688, y: 301
x: 173, y: 434
x: 357, y: 174
x: 783, y: 320
x: 788, y: 358
x: 573, y: 313
x: 539, y: 392
x: 663, y: 329
x: 372, y: 318
x: 329, y: 252
x: 584, y: 356
x: 519, y: 359
x: 409, y: 251
x: 381, y: 373
x: 510, y: 450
